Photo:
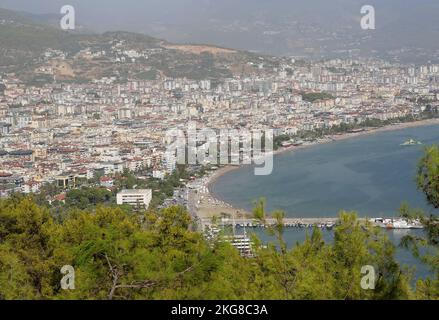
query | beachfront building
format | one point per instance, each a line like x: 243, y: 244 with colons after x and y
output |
x: 135, y: 197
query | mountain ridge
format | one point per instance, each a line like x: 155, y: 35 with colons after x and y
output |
x: 26, y: 41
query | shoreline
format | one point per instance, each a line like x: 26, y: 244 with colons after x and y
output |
x: 220, y: 206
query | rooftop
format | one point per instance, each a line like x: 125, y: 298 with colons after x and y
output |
x: 134, y: 191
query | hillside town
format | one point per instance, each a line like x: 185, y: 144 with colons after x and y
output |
x: 59, y: 132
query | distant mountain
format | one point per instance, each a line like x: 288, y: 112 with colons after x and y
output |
x: 34, y: 48
x: 311, y: 28
x: 34, y: 34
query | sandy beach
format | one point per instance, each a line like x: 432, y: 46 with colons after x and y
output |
x: 209, y: 206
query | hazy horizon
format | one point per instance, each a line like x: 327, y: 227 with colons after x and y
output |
x: 275, y: 27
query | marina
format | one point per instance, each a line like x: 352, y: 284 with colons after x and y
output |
x: 288, y: 222
x: 322, y: 223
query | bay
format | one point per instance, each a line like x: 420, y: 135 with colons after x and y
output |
x: 372, y: 175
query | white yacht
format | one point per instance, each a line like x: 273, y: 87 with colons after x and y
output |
x: 400, y: 223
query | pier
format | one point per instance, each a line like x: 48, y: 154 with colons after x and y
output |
x: 323, y: 223
x: 288, y: 222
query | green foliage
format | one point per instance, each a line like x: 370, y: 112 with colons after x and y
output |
x: 88, y: 197
x: 347, y: 127
x: 316, y: 270
x: 147, y: 75
x: 259, y: 210
x: 27, y: 263
x: 163, y: 189
x: 314, y: 96
x: 278, y: 140
x: 155, y: 255
x: 428, y: 175
x: 357, y: 245
x: 426, y: 248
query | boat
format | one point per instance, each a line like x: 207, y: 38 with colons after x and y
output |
x: 243, y: 243
x: 400, y: 223
x: 330, y: 226
x: 411, y: 142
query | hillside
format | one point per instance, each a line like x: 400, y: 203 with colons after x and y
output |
x: 32, y: 47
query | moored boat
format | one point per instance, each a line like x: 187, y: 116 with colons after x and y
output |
x: 400, y: 223
x: 411, y: 142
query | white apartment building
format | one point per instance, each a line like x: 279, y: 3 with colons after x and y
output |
x: 134, y: 197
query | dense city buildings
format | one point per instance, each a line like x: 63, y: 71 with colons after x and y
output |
x: 103, y: 127
x: 133, y: 168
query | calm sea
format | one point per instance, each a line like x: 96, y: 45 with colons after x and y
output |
x: 371, y: 175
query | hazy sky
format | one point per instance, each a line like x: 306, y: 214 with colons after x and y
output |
x: 138, y: 14
x: 110, y: 14
x: 244, y: 24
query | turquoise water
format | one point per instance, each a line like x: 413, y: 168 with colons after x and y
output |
x: 371, y: 174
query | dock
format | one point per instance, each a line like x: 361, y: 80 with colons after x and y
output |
x: 323, y: 223
x: 288, y: 222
